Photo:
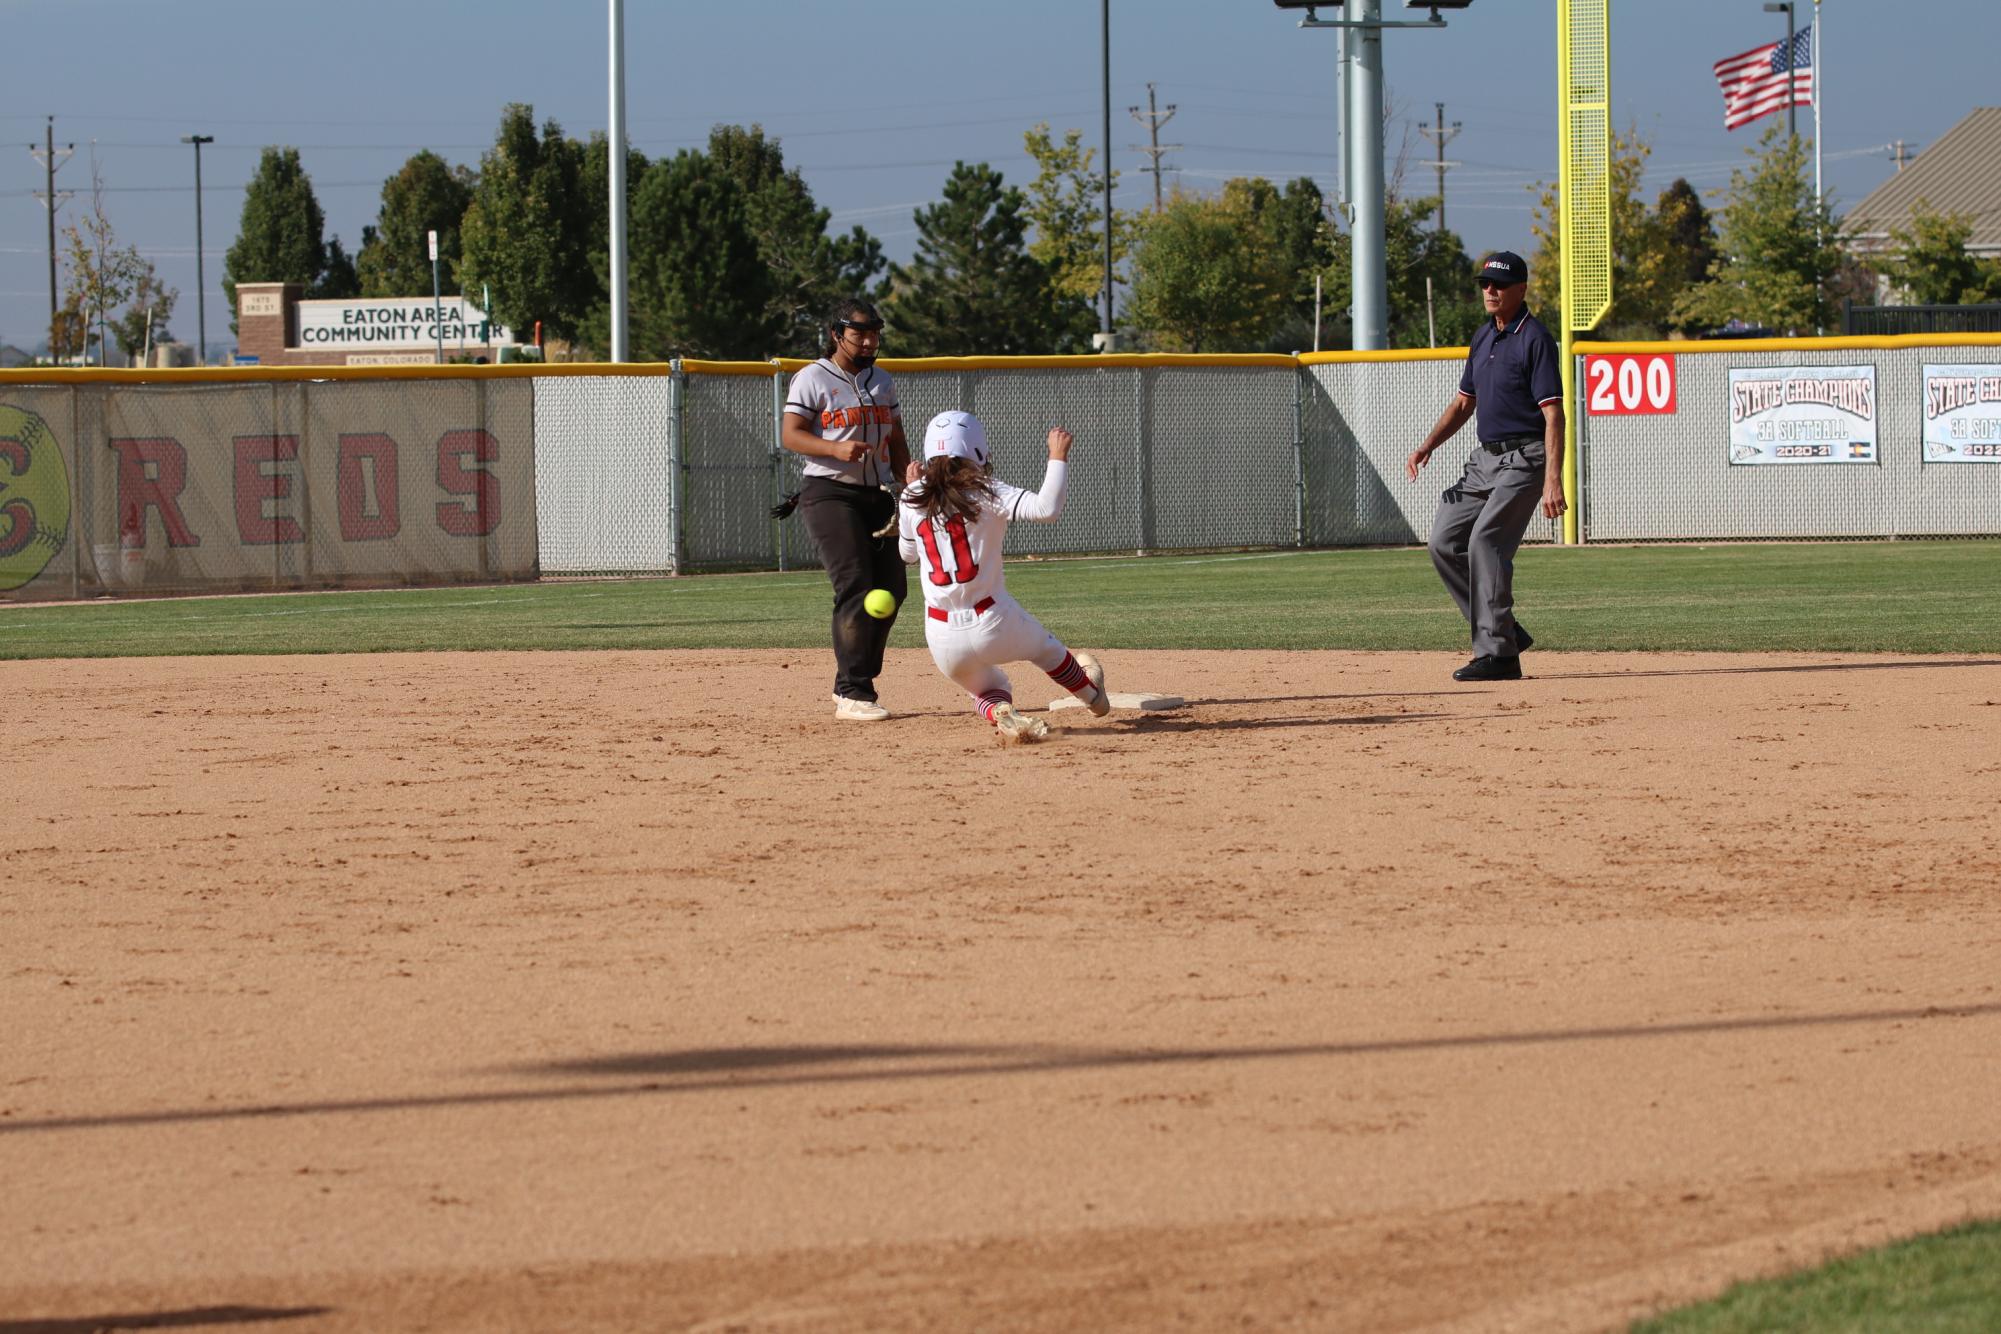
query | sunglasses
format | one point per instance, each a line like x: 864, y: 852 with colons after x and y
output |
x: 1493, y: 285
x: 860, y: 326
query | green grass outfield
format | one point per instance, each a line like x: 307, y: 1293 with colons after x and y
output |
x: 1946, y: 1283
x: 1910, y: 597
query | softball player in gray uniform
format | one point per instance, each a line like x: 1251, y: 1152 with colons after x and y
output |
x: 841, y: 415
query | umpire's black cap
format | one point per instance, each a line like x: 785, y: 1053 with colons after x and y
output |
x: 1504, y: 267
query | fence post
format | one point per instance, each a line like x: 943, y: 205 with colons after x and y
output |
x: 676, y: 474
x: 1143, y: 455
x: 778, y: 458
x: 77, y: 536
x: 1298, y: 455
x: 1583, y: 438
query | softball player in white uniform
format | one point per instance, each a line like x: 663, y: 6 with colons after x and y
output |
x: 952, y: 523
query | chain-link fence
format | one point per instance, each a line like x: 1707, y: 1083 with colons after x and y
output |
x: 225, y: 481
x: 1668, y: 477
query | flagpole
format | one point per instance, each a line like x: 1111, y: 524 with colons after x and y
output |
x: 1819, y: 76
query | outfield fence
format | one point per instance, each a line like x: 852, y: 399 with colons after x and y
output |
x: 187, y: 481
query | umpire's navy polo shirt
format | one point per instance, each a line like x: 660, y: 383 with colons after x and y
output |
x: 1510, y: 374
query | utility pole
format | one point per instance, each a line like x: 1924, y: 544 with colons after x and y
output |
x: 52, y: 200
x: 201, y: 280
x: 1153, y: 120
x: 1899, y: 151
x: 1441, y: 136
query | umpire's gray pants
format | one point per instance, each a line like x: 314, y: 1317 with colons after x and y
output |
x: 1474, y: 536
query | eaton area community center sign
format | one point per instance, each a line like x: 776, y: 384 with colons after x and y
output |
x: 398, y: 322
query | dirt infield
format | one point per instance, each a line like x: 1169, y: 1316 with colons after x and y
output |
x: 632, y: 991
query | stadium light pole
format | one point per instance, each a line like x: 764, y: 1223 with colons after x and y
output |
x: 1105, y: 339
x: 1362, y: 58
x: 617, y: 144
x: 201, y: 281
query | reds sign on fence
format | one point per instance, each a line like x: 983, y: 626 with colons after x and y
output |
x: 1619, y: 384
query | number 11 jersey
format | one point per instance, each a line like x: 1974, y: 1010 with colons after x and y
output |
x: 961, y: 557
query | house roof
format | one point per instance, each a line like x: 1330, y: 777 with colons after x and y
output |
x: 1959, y: 173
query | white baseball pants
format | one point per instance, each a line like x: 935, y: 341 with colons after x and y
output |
x: 971, y: 648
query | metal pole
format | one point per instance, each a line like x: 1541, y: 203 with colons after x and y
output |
x: 617, y: 137
x: 1343, y: 130
x: 1817, y: 72
x: 201, y: 280
x: 1792, y: 107
x: 437, y: 302
x: 1105, y: 43
x: 50, y: 162
x: 1365, y: 118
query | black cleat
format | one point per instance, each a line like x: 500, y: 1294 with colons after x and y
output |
x: 1485, y: 668
x: 1524, y: 641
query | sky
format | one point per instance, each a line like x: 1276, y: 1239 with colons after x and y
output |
x: 874, y: 100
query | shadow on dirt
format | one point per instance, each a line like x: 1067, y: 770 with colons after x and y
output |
x: 745, y: 1069
x: 1762, y: 671
x: 192, y: 1318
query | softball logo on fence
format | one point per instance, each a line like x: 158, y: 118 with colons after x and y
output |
x: 1962, y: 414
x: 1803, y: 414
x: 34, y: 497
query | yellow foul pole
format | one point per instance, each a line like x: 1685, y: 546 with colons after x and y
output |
x: 1584, y: 148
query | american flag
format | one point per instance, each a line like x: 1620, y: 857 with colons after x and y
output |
x: 1763, y: 80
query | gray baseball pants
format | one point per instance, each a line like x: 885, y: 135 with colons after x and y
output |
x: 1474, y: 536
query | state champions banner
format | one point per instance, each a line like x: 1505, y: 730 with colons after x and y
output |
x: 1962, y: 414
x: 1803, y: 414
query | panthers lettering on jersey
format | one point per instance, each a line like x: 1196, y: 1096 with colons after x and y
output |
x: 839, y: 406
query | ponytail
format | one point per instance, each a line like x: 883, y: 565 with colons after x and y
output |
x: 950, y: 487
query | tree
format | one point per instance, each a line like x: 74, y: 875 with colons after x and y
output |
x: 102, y: 274
x: 525, y: 234
x: 425, y: 195
x: 594, y: 331
x: 144, y: 323
x: 281, y: 237
x: 1414, y: 251
x: 700, y: 287
x: 808, y: 269
x: 67, y: 335
x: 1206, y: 277
x: 973, y: 288
x: 1780, y: 252
x: 338, y: 280
x: 1656, y: 253
x: 1067, y: 212
x: 1928, y: 263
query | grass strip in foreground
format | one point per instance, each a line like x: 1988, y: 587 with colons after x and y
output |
x: 1944, y: 1283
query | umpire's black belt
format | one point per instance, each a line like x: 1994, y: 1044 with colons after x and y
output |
x: 1508, y: 442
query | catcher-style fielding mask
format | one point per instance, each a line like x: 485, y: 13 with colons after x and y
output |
x: 956, y: 435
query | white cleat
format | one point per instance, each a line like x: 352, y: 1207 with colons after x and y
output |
x: 859, y: 710
x: 1097, y: 701
x: 1014, y: 725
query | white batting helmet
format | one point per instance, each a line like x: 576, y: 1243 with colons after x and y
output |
x: 958, y: 435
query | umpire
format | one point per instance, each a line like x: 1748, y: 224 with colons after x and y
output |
x: 1513, y: 380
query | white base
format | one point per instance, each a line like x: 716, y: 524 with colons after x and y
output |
x: 1124, y: 700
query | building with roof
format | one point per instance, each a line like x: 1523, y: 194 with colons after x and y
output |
x: 1960, y: 173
